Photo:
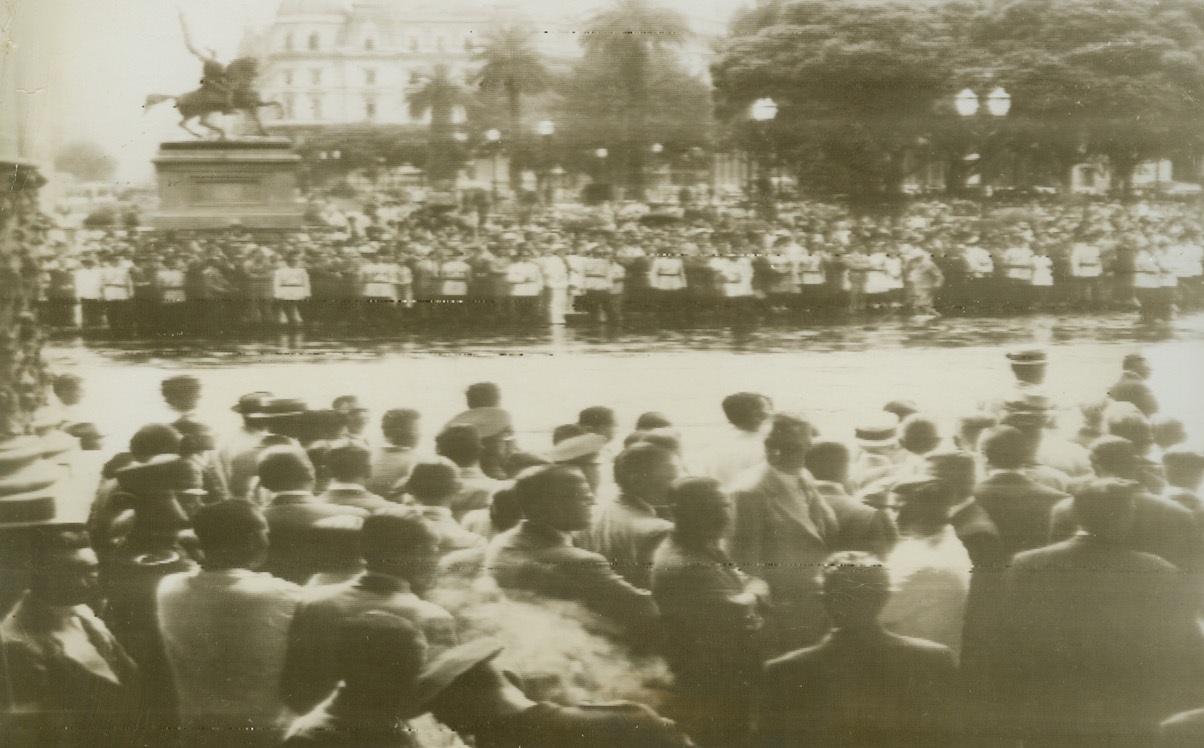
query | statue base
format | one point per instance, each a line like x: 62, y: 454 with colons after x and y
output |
x: 219, y: 184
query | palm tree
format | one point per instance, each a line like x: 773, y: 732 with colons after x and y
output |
x: 438, y: 93
x: 629, y: 38
x: 511, y: 65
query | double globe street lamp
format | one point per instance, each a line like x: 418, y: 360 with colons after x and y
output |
x: 968, y: 104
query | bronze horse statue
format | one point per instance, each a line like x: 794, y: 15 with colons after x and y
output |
x: 225, y: 89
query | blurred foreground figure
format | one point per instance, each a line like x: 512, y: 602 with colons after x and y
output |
x: 72, y: 683
x: 862, y: 686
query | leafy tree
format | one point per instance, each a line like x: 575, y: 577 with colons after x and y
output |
x: 86, y: 161
x: 437, y: 93
x: 512, y: 68
x: 626, y: 46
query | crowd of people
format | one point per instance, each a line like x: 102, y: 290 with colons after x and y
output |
x: 385, y: 270
x: 1028, y: 575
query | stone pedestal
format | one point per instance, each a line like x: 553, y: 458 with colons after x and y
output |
x: 220, y: 184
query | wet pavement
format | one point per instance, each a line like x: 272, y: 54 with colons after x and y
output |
x: 834, y: 373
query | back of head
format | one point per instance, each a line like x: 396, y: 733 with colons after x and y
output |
x: 1113, y: 456
x: 539, y: 489
x: 1133, y: 428
x: 1105, y: 507
x: 285, y: 469
x: 856, y: 587
x: 788, y: 431
x: 460, y: 444
x: 67, y: 387
x: 230, y: 532
x: 389, y: 536
x: 181, y: 391
x: 638, y: 462
x: 1005, y: 448
x: 1184, y: 467
x: 434, y: 482
x: 1168, y: 432
x: 957, y: 468
x: 663, y: 438
x: 700, y: 508
x: 652, y: 420
x: 597, y: 419
x: 154, y: 439
x: 349, y: 463
x: 745, y: 410
x: 321, y: 425
x: 918, y: 434
x: 505, y: 511
x: 829, y: 461
x: 399, y: 426
x: 483, y: 395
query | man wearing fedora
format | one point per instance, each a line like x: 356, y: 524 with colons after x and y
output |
x: 245, y: 438
x: 273, y: 420
x: 1018, y: 505
x: 1029, y: 367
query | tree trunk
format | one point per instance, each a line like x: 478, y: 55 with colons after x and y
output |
x: 514, y: 105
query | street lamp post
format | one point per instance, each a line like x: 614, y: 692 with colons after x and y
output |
x: 494, y: 138
x: 546, y: 129
x: 762, y: 112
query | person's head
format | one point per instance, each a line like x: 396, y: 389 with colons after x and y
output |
x: 787, y: 443
x: 195, y: 438
x: 747, y: 411
x: 1005, y: 448
x: 701, y: 509
x: 958, y: 470
x: 970, y: 429
x: 460, y: 444
x: 349, y: 463
x: 856, y: 587
x: 901, y: 408
x: 1184, y: 468
x: 434, y: 482
x: 652, y: 420
x: 505, y: 511
x: 599, y: 420
x: 398, y: 542
x: 557, y: 496
x: 483, y: 395
x: 567, y: 431
x: 400, y: 427
x: 1115, y: 457
x: 233, y: 535
x: 1105, y: 508
x: 355, y: 415
x: 1135, y: 428
x: 68, y: 388
x: 918, y: 434
x: 646, y: 471
x: 181, y: 393
x: 1135, y: 363
x: 1092, y: 414
x: 285, y: 469
x: 64, y: 567
x: 154, y: 439
x: 923, y: 506
x: 1168, y: 432
x: 1028, y: 366
x: 315, y: 426
x: 829, y: 461
x: 379, y: 657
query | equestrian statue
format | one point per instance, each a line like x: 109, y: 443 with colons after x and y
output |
x: 225, y: 89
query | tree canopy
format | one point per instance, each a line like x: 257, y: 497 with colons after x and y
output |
x: 86, y: 161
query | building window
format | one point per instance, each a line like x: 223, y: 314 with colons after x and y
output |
x: 314, y: 40
x: 370, y: 108
x: 369, y: 44
x: 317, y: 107
x: 315, y: 77
x: 288, y: 42
x: 370, y: 77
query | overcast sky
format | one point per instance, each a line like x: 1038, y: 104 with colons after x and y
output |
x: 112, y: 53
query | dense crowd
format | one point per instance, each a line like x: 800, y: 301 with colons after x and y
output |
x: 1028, y: 575
x: 389, y: 270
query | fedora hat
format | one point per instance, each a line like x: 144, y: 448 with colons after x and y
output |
x: 250, y: 403
x: 444, y: 669
x: 1028, y: 357
x: 882, y: 430
x: 280, y: 407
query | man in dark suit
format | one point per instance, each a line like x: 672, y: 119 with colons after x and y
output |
x: 350, y: 466
x: 1132, y: 387
x: 783, y: 531
x: 1160, y: 526
x: 1099, y: 645
x: 862, y: 527
x: 862, y: 686
x: 1019, y: 506
x: 301, y: 546
x: 539, y: 556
